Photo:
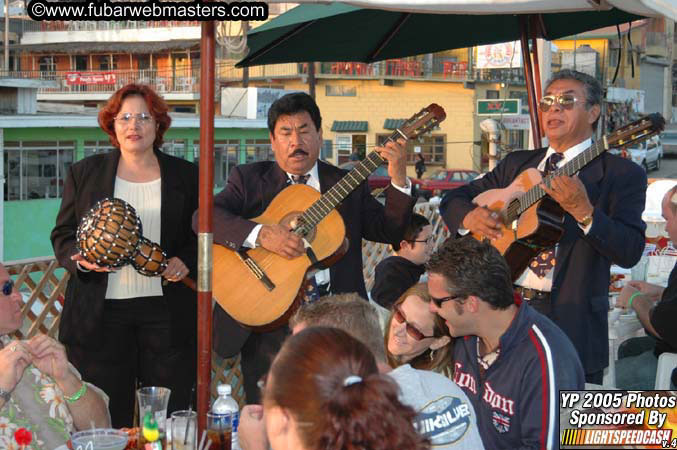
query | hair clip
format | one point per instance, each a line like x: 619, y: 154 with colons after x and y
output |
x: 352, y: 379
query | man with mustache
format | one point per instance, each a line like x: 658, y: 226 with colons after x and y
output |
x: 603, y: 224
x: 295, y: 127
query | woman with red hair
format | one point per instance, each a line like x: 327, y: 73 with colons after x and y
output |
x: 120, y: 327
x: 324, y: 391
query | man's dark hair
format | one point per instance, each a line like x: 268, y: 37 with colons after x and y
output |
x: 471, y: 267
x: 592, y: 87
x: 415, y: 226
x: 294, y: 103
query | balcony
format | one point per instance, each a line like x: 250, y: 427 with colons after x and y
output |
x: 95, y: 85
x: 28, y: 26
x: 402, y: 69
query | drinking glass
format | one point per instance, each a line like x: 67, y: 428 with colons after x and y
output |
x: 184, y: 430
x: 153, y: 399
x: 219, y: 431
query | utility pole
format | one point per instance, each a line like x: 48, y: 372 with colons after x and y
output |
x: 6, y: 66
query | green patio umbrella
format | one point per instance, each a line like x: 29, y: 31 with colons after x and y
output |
x: 342, y: 32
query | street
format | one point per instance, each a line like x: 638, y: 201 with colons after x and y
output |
x: 668, y: 168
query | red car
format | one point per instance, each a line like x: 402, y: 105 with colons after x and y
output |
x: 379, y: 179
x: 445, y: 180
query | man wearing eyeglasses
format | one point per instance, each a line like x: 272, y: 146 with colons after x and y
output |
x: 602, y: 226
x: 511, y: 361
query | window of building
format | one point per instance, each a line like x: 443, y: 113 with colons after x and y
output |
x: 258, y: 150
x: 227, y: 154
x: 433, y: 148
x: 344, y: 148
x: 36, y: 169
x: 491, y: 94
x: 175, y: 147
x: 47, y: 67
x: 340, y: 91
x: 108, y: 62
x: 96, y: 147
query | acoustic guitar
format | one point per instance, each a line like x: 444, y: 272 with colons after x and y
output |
x: 532, y: 221
x: 257, y: 287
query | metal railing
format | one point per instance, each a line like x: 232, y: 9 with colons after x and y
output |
x: 91, y: 25
x: 390, y: 69
x: 178, y: 80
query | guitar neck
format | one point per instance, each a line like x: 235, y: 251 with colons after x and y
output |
x: 536, y: 193
x: 330, y: 199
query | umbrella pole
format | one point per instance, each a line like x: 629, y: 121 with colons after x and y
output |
x: 205, y: 237
x: 529, y: 78
x: 537, y: 79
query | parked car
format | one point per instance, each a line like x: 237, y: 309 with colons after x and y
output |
x: 647, y: 154
x: 444, y: 180
x: 380, y: 178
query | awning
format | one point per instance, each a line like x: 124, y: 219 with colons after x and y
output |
x: 393, y: 124
x: 342, y: 126
x: 109, y: 47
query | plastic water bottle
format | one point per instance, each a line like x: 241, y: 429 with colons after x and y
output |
x: 225, y: 404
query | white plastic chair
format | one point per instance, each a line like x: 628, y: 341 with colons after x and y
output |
x: 666, y: 364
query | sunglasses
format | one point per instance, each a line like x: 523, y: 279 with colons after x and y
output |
x: 412, y: 331
x: 7, y: 287
x: 566, y: 101
x: 438, y: 301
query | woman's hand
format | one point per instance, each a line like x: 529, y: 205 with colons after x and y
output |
x: 49, y: 356
x: 83, y: 263
x: 176, y: 270
x: 14, y: 358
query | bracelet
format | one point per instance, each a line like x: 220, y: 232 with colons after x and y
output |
x: 75, y: 397
x: 632, y: 297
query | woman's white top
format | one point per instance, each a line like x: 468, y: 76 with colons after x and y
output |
x: 146, y: 199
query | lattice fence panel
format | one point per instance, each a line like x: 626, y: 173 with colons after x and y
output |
x: 42, y: 291
x: 42, y: 285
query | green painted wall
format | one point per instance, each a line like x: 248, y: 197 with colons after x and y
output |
x: 28, y: 223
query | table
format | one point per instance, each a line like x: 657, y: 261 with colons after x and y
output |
x: 621, y: 328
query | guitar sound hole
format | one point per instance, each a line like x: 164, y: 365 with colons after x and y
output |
x: 294, y: 218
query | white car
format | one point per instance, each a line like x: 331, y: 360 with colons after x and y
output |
x: 648, y: 153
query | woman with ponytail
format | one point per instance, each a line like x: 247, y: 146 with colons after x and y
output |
x: 324, y: 392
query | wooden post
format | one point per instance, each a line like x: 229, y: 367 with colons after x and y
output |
x: 205, y: 237
x: 529, y: 79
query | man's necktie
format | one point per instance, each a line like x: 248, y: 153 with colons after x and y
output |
x: 300, y: 179
x: 309, y: 287
x: 542, y: 263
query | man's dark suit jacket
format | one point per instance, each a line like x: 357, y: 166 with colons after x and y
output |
x: 616, y: 188
x: 252, y: 187
x: 93, y: 179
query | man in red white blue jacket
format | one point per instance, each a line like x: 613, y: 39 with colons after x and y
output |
x: 510, y: 360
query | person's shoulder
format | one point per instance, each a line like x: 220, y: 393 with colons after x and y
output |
x: 424, y: 383
x: 445, y: 414
x: 392, y: 261
x: 547, y: 336
x: 90, y: 161
x: 623, y: 166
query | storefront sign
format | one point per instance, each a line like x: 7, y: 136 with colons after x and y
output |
x: 517, y: 122
x: 498, y: 107
x: 83, y: 78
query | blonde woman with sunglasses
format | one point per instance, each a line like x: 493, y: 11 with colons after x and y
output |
x: 416, y: 336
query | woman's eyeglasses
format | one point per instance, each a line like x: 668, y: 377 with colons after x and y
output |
x: 126, y: 118
x: 412, y: 331
x: 566, y: 101
x: 7, y: 287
